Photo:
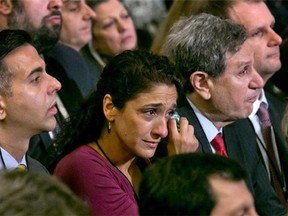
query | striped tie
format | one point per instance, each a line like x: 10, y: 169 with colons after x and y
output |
x: 276, y: 175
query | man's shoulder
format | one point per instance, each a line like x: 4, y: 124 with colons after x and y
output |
x: 36, y: 166
x: 274, y: 100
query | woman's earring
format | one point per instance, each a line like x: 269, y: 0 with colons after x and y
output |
x: 109, y: 127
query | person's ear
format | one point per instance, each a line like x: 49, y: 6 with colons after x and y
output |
x: 2, y: 108
x: 6, y: 7
x: 108, y: 108
x: 200, y: 82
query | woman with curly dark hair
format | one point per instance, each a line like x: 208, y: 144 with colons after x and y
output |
x: 122, y: 121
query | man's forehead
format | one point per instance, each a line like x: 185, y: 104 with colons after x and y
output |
x: 245, y: 10
x: 254, y: 16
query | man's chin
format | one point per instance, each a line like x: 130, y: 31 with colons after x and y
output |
x: 269, y: 69
x: 274, y: 65
x: 47, y: 39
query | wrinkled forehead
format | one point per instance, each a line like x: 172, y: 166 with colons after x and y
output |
x: 243, y: 56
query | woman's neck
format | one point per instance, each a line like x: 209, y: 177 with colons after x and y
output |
x: 125, y: 165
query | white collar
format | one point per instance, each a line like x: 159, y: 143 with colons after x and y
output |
x: 8, y: 161
x: 257, y: 103
x: 208, y: 127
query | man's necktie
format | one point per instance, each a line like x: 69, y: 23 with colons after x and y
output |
x: 273, y: 167
x: 218, y: 145
x: 21, y: 167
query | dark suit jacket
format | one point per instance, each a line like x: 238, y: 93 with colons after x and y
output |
x: 85, y: 52
x: 40, y: 147
x: 35, y: 166
x: 63, y: 60
x: 276, y: 112
x: 243, y: 148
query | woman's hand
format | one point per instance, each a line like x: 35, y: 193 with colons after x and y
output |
x: 181, y: 139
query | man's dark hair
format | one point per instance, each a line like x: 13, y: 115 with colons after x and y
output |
x: 179, y: 185
x: 9, y: 41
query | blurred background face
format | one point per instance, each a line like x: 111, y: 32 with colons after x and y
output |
x: 113, y: 30
x: 40, y: 18
x: 227, y: 203
x: 77, y: 20
x: 259, y: 24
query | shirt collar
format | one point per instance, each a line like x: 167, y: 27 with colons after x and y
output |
x: 208, y: 127
x: 9, y: 161
x: 257, y: 103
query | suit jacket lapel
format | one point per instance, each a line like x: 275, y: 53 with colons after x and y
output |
x: 234, y: 141
x: 276, y: 112
x: 186, y: 110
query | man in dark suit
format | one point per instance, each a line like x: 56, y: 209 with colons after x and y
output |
x: 243, y: 148
x: 221, y: 84
x: 44, y: 27
x: 62, y: 61
x: 259, y: 22
x: 27, y: 100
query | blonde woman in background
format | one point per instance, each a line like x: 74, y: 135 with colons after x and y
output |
x: 113, y: 32
x: 178, y: 8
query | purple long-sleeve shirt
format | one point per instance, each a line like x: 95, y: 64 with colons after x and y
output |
x: 95, y: 180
